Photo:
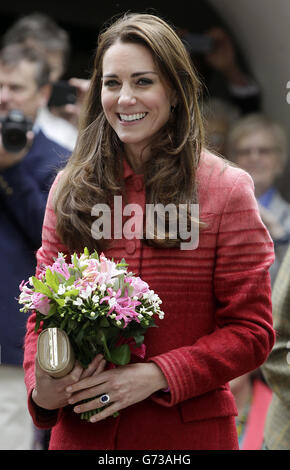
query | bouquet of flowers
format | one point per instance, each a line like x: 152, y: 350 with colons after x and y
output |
x: 101, y: 306
x: 97, y: 302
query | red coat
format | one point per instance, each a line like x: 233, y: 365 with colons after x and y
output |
x: 217, y: 325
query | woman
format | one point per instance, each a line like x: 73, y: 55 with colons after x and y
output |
x: 259, y: 146
x: 142, y: 138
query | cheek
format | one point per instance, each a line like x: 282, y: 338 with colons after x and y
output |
x: 106, y: 101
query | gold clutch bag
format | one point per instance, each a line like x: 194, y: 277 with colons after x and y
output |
x: 54, y: 352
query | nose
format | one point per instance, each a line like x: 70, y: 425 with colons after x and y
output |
x: 4, y: 94
x: 254, y: 154
x: 126, y: 96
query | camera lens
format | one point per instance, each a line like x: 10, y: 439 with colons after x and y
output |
x: 14, y: 128
x: 14, y: 140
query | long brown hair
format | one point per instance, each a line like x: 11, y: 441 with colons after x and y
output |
x: 94, y: 172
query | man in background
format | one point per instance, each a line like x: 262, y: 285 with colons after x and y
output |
x: 25, y: 178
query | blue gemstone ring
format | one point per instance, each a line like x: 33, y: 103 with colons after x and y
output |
x: 105, y: 398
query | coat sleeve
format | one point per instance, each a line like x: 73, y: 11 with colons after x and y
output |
x: 243, y: 335
x: 49, y: 249
x: 276, y: 368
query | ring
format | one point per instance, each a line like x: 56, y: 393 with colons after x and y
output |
x: 105, y: 398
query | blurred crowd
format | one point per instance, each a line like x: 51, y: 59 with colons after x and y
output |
x: 38, y: 106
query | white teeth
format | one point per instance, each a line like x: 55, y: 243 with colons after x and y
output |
x: 132, y: 117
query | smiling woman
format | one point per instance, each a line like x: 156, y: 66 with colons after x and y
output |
x: 137, y: 102
x: 141, y: 141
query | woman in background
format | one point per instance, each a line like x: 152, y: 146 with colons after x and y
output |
x: 259, y: 146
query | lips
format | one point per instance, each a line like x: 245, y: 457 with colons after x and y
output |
x: 131, y: 117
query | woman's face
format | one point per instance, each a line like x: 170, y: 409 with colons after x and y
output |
x: 135, y: 99
x: 257, y: 153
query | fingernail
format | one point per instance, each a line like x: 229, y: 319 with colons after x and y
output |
x: 68, y: 389
x: 71, y: 400
x: 76, y: 409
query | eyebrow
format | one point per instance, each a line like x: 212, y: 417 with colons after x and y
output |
x: 135, y: 74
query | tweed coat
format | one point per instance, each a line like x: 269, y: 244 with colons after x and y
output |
x: 277, y: 368
x: 217, y: 325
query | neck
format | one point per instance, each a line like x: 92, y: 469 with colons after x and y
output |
x: 136, y: 158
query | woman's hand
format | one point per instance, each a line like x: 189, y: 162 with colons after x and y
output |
x: 50, y: 393
x: 125, y: 386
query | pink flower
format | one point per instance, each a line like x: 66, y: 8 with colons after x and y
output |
x: 139, y: 287
x: 101, y: 271
x: 124, y: 307
x: 40, y: 302
x: 61, y: 267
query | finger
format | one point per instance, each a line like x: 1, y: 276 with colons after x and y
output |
x: 90, y: 405
x: 89, y: 393
x: 106, y: 413
x: 73, y: 376
x: 81, y: 83
x: 70, y: 108
x: 87, y: 382
x: 92, y: 367
x: 101, y: 367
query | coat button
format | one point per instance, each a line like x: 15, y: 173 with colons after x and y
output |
x: 131, y: 247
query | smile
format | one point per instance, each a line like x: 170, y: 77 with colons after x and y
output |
x: 131, y: 117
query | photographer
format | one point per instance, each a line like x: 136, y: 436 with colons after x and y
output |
x: 26, y: 171
x: 40, y: 31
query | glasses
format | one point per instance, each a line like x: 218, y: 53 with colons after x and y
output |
x: 261, y: 151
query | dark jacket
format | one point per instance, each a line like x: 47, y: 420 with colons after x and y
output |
x: 23, y: 195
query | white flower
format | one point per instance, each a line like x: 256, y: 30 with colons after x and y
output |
x: 112, y: 302
x: 86, y: 293
x: 78, y: 301
x: 96, y: 299
x: 92, y: 314
x: 61, y: 289
x: 103, y: 288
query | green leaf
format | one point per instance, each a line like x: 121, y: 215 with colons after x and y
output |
x: 122, y: 264
x: 121, y: 355
x: 52, y: 310
x: 139, y: 340
x: 40, y: 287
x: 103, y: 341
x: 60, y: 302
x: 51, y: 280
x: 75, y: 260
x: 71, y: 292
x: 86, y: 251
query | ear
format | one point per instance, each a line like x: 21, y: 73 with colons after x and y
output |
x: 44, y: 94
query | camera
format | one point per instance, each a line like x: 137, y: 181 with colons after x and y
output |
x: 198, y: 43
x: 14, y: 128
x: 62, y: 93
